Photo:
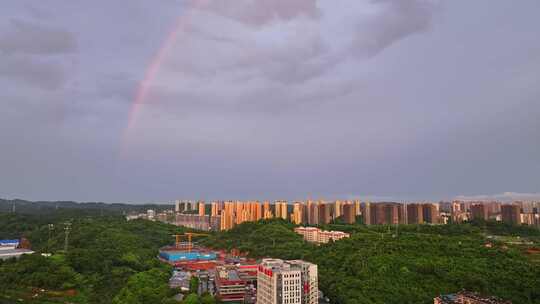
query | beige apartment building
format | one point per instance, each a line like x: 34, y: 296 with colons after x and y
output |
x: 316, y: 235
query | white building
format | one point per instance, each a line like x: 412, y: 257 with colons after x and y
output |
x: 9, y: 249
x: 316, y: 235
x: 287, y: 282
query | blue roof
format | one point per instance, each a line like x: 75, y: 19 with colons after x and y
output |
x: 4, y: 242
x: 175, y: 256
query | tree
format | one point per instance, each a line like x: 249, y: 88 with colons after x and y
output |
x: 192, y: 298
x: 208, y: 299
x: 194, y: 285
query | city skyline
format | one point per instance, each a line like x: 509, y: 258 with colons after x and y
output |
x: 135, y: 101
x: 225, y: 215
x: 506, y: 197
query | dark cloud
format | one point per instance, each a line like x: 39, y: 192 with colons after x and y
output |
x: 505, y: 196
x: 39, y: 72
x: 299, y: 49
x: 395, y: 20
x: 29, y: 38
x: 116, y: 86
x: 258, y: 12
x: 269, y: 99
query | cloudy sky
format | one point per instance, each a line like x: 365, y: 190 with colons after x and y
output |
x: 145, y: 101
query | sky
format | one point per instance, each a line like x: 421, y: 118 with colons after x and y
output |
x: 151, y: 101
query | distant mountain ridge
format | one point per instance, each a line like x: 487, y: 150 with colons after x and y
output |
x: 34, y: 207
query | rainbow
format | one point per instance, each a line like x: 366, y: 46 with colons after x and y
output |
x: 155, y: 65
x: 151, y: 73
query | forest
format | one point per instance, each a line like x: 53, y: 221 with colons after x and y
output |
x: 111, y: 260
x: 410, y: 264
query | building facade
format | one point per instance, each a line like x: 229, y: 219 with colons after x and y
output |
x: 316, y: 235
x: 349, y: 213
x: 479, y: 212
x: 287, y: 282
x: 465, y: 297
x: 511, y: 214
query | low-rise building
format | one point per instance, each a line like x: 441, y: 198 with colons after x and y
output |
x: 180, y: 279
x: 465, y: 297
x: 316, y: 235
x: 12, y: 249
x: 230, y: 286
x: 199, y: 222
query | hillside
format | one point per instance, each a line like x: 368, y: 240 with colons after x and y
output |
x: 109, y: 260
x: 374, y: 266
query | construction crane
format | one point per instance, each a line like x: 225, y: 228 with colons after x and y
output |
x: 189, y: 236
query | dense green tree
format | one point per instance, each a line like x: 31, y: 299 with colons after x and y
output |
x: 111, y: 260
x: 106, y: 258
x: 411, y: 265
x: 192, y: 298
x: 147, y: 287
x: 207, y: 299
x: 194, y: 284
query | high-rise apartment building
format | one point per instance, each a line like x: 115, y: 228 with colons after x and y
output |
x: 193, y: 205
x: 357, y: 208
x: 267, y: 212
x: 257, y: 211
x: 459, y: 214
x: 201, y: 208
x: 287, y: 282
x: 338, y: 205
x: 215, y: 209
x: 228, y: 216
x: 325, y: 213
x: 281, y: 209
x: 415, y: 214
x: 298, y: 215
x: 366, y: 213
x: 349, y: 213
x: 236, y: 212
x: 511, y: 214
x: 479, y: 212
x: 309, y: 204
x: 387, y: 213
x: 493, y: 208
x: 430, y: 213
x: 313, y: 212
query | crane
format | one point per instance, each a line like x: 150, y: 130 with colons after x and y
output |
x: 187, y: 235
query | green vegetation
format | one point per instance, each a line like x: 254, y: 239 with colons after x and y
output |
x: 193, y: 284
x: 192, y: 298
x: 377, y: 266
x: 109, y: 260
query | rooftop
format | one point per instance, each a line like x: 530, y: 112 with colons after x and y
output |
x: 466, y: 295
x: 11, y: 253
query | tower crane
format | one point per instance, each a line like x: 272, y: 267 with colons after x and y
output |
x: 189, y: 236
